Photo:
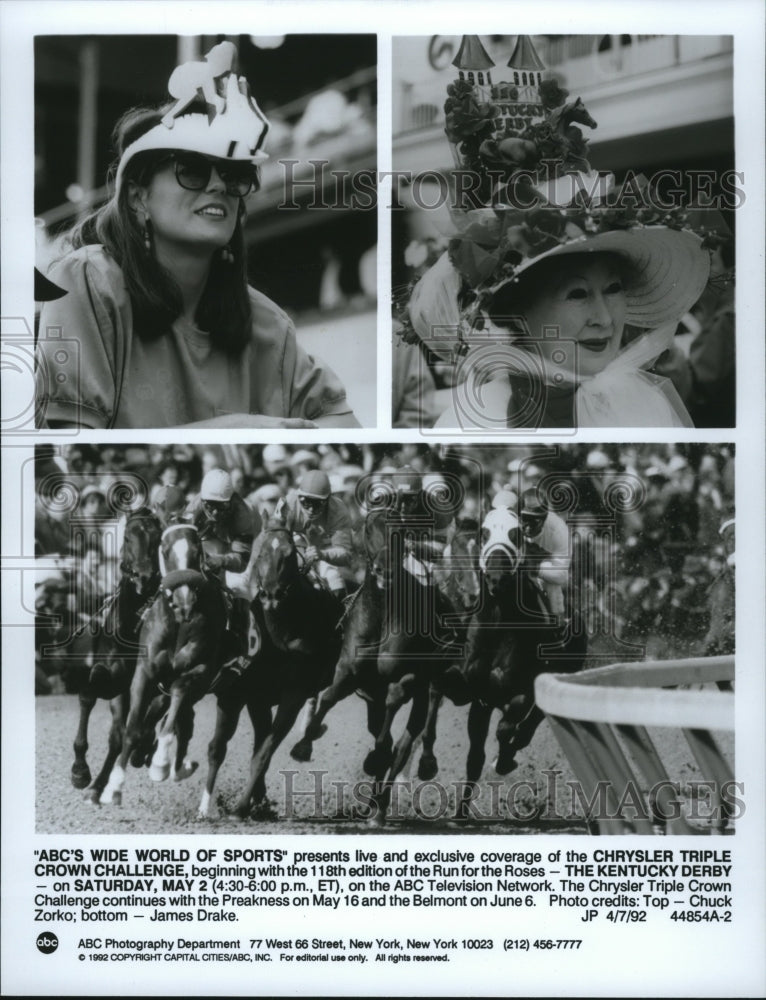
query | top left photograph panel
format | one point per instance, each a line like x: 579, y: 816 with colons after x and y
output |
x: 206, y: 231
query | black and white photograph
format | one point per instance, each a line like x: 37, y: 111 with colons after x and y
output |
x: 563, y: 248
x: 382, y: 437
x: 201, y: 260
x: 370, y: 603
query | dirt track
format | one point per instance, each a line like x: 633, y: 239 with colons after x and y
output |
x: 318, y: 806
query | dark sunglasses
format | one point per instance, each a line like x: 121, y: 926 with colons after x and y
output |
x: 193, y: 172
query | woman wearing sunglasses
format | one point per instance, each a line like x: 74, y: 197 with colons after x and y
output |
x: 159, y: 327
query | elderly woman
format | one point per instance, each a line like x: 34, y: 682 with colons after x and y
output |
x: 564, y: 337
x: 159, y: 327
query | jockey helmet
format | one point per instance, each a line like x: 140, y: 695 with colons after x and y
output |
x: 315, y: 484
x: 532, y: 512
x: 217, y: 486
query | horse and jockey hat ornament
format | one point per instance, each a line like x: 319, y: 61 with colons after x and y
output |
x: 227, y: 125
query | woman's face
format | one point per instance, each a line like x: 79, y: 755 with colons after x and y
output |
x: 201, y: 219
x: 584, y: 303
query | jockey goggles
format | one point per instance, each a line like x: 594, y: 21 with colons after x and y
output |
x: 193, y: 172
x: 216, y: 506
x: 314, y: 504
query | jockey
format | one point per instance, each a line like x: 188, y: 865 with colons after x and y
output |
x: 413, y: 512
x: 546, y: 538
x: 313, y: 511
x: 227, y: 527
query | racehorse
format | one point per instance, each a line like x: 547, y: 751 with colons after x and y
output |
x: 181, y: 642
x: 511, y: 640
x: 300, y: 643
x: 393, y: 646
x: 112, y: 635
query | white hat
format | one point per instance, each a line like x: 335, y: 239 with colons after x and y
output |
x: 233, y: 126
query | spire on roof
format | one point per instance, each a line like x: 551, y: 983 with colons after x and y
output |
x: 524, y: 55
x: 472, y: 54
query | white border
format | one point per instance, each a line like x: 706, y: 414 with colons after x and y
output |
x: 688, y: 961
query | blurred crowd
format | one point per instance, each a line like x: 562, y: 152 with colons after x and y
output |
x: 652, y: 525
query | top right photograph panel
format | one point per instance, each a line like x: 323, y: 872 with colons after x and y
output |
x: 563, y: 232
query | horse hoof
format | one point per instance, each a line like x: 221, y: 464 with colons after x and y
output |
x: 93, y: 796
x: 428, y: 767
x: 377, y: 820
x: 187, y: 770
x: 159, y: 772
x: 316, y: 732
x: 377, y: 761
x: 80, y: 777
x: 301, y: 751
x: 110, y: 798
x: 505, y: 762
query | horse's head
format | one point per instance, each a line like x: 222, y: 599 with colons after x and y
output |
x: 500, y: 548
x: 181, y: 556
x: 383, y: 549
x: 464, y: 566
x: 139, y: 556
x: 276, y: 568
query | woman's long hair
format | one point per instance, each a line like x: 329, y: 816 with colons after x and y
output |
x: 224, y: 309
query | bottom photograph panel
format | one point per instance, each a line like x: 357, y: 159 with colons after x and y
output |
x: 322, y: 639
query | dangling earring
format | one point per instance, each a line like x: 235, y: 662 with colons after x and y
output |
x: 147, y: 234
x: 227, y: 255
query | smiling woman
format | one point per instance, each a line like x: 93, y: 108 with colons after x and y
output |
x: 165, y: 328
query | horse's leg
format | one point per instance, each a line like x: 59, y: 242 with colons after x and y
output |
x: 118, y: 708
x: 428, y: 767
x: 284, y: 719
x: 479, y: 715
x: 227, y: 716
x: 184, y: 768
x: 140, y: 692
x: 515, y: 730
x: 342, y: 686
x: 403, y: 749
x: 159, y: 769
x: 381, y: 757
x: 260, y: 717
x: 80, y: 769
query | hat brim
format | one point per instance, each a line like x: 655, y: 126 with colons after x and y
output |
x: 190, y: 134
x: 670, y: 269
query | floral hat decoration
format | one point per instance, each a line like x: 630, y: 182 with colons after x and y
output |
x: 214, y: 114
x: 534, y: 195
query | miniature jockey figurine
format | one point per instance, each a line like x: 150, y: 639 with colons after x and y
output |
x: 313, y: 511
x: 546, y: 540
x: 227, y: 527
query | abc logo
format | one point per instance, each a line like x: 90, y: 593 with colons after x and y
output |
x: 47, y: 943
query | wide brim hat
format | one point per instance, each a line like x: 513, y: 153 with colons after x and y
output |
x: 669, y: 269
x: 231, y: 126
